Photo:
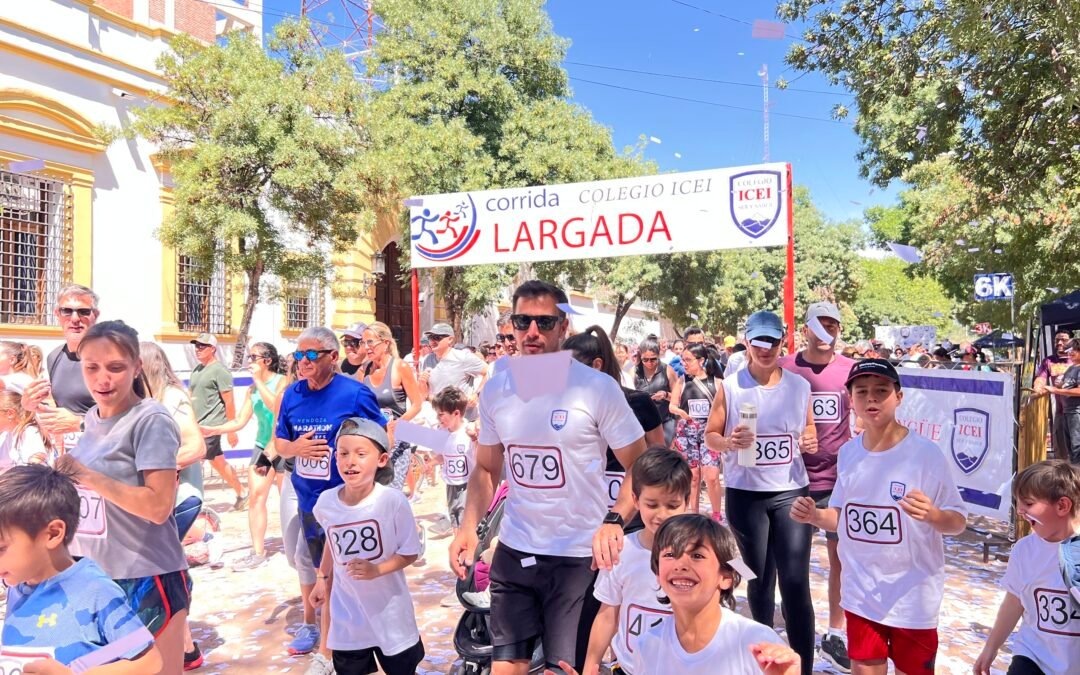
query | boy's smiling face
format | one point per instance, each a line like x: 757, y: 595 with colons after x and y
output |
x: 692, y: 579
x: 358, y: 460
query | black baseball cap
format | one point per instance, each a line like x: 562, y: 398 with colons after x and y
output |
x: 878, y: 367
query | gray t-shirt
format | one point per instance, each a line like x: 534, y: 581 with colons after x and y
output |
x: 145, y: 438
x: 66, y: 379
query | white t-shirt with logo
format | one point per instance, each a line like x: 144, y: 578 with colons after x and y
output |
x: 555, y: 454
x: 1050, y: 632
x: 632, y: 587
x: 659, y: 651
x: 458, y: 457
x: 379, y: 612
x: 893, y: 566
x: 781, y: 419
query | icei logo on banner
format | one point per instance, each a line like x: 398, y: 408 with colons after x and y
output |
x: 755, y: 201
x: 970, y: 438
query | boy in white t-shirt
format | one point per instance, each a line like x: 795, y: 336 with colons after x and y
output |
x: 371, y: 538
x: 459, y: 453
x: 1048, y: 496
x: 661, y: 481
x: 894, y: 499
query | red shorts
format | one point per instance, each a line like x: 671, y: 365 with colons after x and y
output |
x: 912, y: 650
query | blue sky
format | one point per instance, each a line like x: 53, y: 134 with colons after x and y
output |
x: 690, y: 38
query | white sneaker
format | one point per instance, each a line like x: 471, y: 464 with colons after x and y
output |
x: 320, y: 665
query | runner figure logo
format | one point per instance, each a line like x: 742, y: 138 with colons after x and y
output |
x: 970, y: 438
x: 558, y: 419
x: 445, y: 233
x: 755, y: 201
x: 897, y: 490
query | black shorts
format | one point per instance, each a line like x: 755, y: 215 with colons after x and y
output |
x: 545, y: 601
x: 213, y: 447
x: 821, y: 497
x: 157, y: 599
x: 363, y: 661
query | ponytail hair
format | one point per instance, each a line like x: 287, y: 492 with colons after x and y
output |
x: 594, y: 344
x: 24, y: 358
x: 708, y: 358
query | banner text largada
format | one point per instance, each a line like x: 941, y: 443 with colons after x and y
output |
x: 695, y: 211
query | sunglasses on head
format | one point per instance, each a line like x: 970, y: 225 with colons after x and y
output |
x: 83, y: 312
x: 505, y: 338
x: 543, y: 321
x: 310, y: 354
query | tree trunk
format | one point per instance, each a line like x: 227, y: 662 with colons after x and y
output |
x: 622, y: 306
x: 254, y: 277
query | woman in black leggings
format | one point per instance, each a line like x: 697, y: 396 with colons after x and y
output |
x: 764, y: 474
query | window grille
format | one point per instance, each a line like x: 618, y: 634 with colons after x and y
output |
x: 303, y: 305
x: 35, y: 246
x: 203, y: 305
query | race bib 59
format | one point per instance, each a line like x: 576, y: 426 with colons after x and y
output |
x: 91, y: 514
x: 640, y: 619
x: 825, y: 406
x: 314, y: 468
x: 536, y: 466
x: 1056, y: 612
x: 456, y: 466
x: 873, y: 524
x: 362, y: 539
x: 773, y: 449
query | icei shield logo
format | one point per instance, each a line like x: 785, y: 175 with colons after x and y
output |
x: 446, y: 232
x: 970, y: 438
x: 755, y: 201
x: 558, y: 419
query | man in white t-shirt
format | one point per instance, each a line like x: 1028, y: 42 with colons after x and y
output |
x: 553, y: 449
x: 448, y: 367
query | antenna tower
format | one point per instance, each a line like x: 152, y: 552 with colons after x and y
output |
x: 764, y: 73
x: 348, y: 25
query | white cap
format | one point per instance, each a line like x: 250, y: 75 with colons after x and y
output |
x: 823, y: 310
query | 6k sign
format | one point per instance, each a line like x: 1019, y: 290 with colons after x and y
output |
x: 738, y: 207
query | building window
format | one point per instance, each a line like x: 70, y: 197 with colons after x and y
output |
x: 35, y: 247
x: 203, y: 305
x: 303, y: 305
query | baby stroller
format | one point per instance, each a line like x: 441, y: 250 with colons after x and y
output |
x: 472, y: 638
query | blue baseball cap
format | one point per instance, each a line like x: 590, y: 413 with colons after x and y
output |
x: 764, y: 324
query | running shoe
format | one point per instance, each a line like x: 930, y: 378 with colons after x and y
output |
x: 481, y: 599
x: 193, y: 659
x: 834, y: 650
x: 249, y: 562
x: 305, y: 640
x: 320, y: 665
x: 241, y: 502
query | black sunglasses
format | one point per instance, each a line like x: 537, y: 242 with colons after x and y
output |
x: 436, y: 338
x: 256, y: 357
x: 83, y: 312
x: 311, y: 354
x: 505, y: 338
x: 199, y: 345
x: 543, y: 321
x: 350, y: 342
x: 653, y: 359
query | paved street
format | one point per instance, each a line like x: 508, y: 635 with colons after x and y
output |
x: 243, y: 620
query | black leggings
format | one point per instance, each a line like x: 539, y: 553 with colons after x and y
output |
x: 1022, y: 665
x: 772, y: 545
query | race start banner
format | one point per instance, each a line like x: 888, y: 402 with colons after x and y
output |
x: 739, y: 207
x: 969, y: 415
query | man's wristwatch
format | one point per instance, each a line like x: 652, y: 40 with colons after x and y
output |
x: 613, y: 518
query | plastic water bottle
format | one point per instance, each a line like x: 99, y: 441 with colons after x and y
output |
x: 748, y: 419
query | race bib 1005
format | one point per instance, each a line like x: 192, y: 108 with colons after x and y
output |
x: 699, y: 407
x: 537, y: 467
x: 456, y: 467
x: 362, y: 539
x: 1056, y: 612
x: 92, y: 521
x: 773, y: 449
x: 825, y: 407
x: 314, y: 468
x: 873, y: 524
x: 613, y: 480
x: 14, y: 659
x: 639, y: 620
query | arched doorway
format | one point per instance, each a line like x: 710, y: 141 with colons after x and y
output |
x: 393, y: 300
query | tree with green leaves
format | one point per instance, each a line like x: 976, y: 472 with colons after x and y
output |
x: 267, y: 152
x: 890, y: 296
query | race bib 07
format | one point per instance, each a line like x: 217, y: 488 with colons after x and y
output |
x: 1056, y: 612
x: 873, y: 524
x: 773, y: 449
x: 92, y: 521
x: 314, y: 468
x: 456, y: 466
x: 361, y: 539
x: 825, y: 407
x: 537, y: 467
x: 640, y: 619
x: 699, y: 407
x: 14, y: 659
x: 613, y: 480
